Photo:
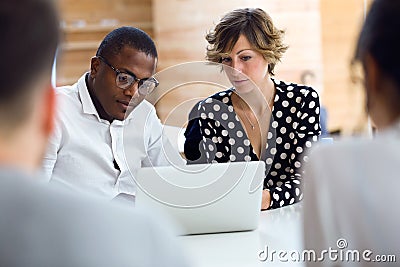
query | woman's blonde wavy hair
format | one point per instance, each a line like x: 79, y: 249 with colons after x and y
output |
x: 256, y: 25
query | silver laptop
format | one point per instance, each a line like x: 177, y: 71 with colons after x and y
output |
x: 204, y: 198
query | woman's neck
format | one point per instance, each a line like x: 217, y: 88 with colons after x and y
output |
x: 261, y: 98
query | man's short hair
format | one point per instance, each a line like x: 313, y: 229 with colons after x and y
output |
x: 126, y: 36
x: 30, y: 35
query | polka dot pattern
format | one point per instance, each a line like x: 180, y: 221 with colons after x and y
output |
x: 293, y: 129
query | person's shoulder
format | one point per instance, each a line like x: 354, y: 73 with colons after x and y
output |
x: 216, y: 103
x: 295, y: 88
x: 351, y: 153
x: 145, y: 110
x: 219, y: 96
x: 146, y: 106
x: 66, y: 205
x: 67, y: 98
x: 82, y: 223
x: 67, y: 91
x: 339, y: 146
x: 73, y: 92
x: 143, y: 114
x: 334, y: 162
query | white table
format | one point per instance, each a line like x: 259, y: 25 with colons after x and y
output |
x: 279, y: 230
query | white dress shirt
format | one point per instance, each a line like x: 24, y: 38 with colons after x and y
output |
x: 83, y: 148
x: 351, y: 199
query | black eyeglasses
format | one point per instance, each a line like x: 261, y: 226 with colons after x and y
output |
x: 125, y: 80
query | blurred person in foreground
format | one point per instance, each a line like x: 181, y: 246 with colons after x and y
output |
x: 105, y: 129
x: 260, y: 118
x: 351, y: 195
x: 41, y: 225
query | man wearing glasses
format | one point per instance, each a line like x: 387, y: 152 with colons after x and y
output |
x: 86, y: 152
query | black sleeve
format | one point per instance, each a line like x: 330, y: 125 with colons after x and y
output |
x: 193, y: 136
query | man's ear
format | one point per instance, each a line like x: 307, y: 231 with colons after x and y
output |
x: 94, y: 66
x: 49, y: 110
x: 372, y: 75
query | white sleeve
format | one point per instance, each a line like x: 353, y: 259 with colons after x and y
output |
x: 50, y: 157
x: 160, y: 151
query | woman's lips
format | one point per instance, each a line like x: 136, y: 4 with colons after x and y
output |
x: 240, y: 82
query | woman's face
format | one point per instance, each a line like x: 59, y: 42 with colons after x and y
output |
x: 245, y: 67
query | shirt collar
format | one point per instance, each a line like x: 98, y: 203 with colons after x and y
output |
x: 87, y: 103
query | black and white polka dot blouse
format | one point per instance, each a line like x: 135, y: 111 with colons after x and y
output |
x: 215, y: 134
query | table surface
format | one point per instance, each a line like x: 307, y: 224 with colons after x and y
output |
x: 279, y: 230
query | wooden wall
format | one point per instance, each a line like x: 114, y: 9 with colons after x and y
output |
x: 86, y: 22
x: 341, y: 21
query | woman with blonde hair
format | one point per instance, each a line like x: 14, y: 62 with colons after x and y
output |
x: 260, y: 117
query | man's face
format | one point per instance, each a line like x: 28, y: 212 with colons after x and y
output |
x: 114, y: 100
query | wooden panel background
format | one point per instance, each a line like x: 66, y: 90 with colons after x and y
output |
x: 341, y: 21
x: 86, y: 22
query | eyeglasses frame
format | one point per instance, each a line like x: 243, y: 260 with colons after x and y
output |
x: 135, y: 78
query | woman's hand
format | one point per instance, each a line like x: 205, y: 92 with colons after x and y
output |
x: 266, y: 199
